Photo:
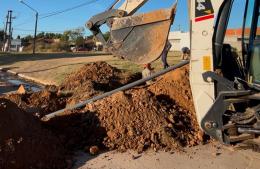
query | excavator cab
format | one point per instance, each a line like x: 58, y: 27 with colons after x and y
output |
x: 247, y: 65
x: 252, y: 47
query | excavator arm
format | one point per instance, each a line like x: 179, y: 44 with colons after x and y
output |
x: 145, y: 35
x: 129, y: 6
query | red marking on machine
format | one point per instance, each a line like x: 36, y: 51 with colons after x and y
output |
x: 204, y: 18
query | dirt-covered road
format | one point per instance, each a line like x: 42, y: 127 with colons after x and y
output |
x: 198, y: 157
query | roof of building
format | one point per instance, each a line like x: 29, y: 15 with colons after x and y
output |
x: 238, y: 32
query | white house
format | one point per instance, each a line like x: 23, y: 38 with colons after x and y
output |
x: 16, y: 45
x: 179, y: 39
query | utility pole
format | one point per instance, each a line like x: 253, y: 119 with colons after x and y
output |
x: 10, y: 30
x: 6, y: 25
x: 35, y: 32
x: 36, y: 23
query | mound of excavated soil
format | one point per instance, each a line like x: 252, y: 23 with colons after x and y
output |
x: 24, y: 143
x: 38, y: 103
x: 46, y: 102
x: 97, y: 72
x: 175, y: 85
x: 158, y: 116
x: 94, y: 79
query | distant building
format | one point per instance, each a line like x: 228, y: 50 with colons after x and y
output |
x: 234, y: 37
x: 16, y: 45
x: 56, y: 40
x: 179, y: 39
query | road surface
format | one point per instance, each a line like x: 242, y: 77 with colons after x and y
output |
x: 10, y: 83
x: 199, y: 157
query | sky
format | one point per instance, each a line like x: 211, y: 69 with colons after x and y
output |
x: 23, y: 23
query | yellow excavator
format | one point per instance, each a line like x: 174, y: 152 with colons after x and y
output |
x: 225, y: 86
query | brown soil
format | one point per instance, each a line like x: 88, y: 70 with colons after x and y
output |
x: 46, y: 102
x: 25, y: 144
x: 93, y: 79
x: 150, y: 116
x: 175, y: 85
x: 39, y: 103
x: 159, y: 116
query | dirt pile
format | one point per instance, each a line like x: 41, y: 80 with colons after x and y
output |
x: 175, y: 85
x: 39, y: 103
x: 93, y: 79
x: 159, y: 116
x: 24, y: 143
x: 151, y: 116
x: 46, y: 102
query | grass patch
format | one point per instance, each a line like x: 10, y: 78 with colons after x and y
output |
x: 173, y: 58
x: 54, y: 67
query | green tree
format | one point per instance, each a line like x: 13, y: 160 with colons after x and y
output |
x: 26, y: 40
x: 65, y: 36
x: 50, y: 35
x: 58, y: 36
x: 79, y: 41
x: 74, y: 34
x: 40, y: 35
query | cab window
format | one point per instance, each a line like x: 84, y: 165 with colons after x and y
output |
x: 255, y: 58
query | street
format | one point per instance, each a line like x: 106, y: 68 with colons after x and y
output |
x: 10, y: 83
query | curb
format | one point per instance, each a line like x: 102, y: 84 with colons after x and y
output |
x: 33, y: 79
x: 27, y: 77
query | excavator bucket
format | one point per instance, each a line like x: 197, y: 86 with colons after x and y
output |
x: 141, y: 38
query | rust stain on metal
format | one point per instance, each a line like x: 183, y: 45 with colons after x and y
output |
x: 141, y: 38
x: 144, y: 44
x: 143, y: 19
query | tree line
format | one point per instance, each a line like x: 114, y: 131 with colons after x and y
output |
x: 74, y: 37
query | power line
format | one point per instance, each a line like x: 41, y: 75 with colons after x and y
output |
x: 53, y: 14
x: 25, y: 22
x: 68, y: 9
x: 47, y: 15
x: 30, y: 30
